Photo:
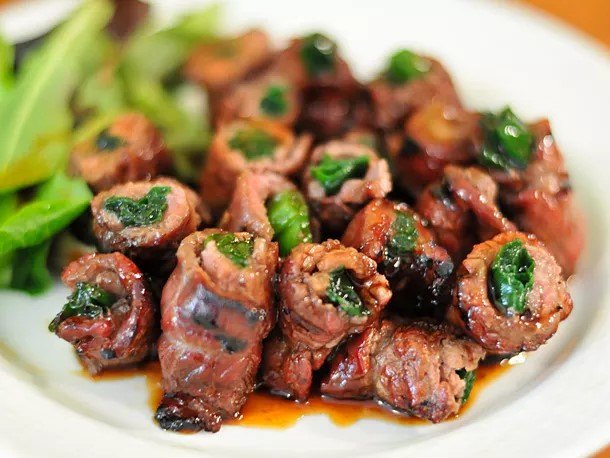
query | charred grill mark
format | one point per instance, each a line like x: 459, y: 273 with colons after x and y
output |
x: 107, y: 353
x: 230, y: 344
x: 209, y: 303
x: 408, y: 148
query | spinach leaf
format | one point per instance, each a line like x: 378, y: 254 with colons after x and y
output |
x: 56, y: 204
x: 512, y: 277
x: 237, y: 250
x: 469, y: 378
x: 404, y: 235
x: 318, y: 54
x: 405, y: 66
x: 274, y: 102
x: 253, y: 143
x: 142, y: 212
x: 342, y: 292
x: 36, y: 120
x: 30, y: 272
x: 88, y: 299
x: 332, y: 173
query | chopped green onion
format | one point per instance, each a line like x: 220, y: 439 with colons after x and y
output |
x: 332, y: 173
x: 253, y: 143
x: 512, y: 277
x: 469, y: 378
x: 237, y: 250
x: 318, y: 54
x: 289, y: 217
x: 404, y: 235
x: 274, y: 102
x: 405, y: 66
x: 341, y: 291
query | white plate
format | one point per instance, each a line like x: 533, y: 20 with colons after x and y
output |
x: 556, y: 404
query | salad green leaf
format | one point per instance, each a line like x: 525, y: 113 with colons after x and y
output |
x: 36, y: 120
x: 7, y: 59
x: 56, y: 203
x: 30, y: 272
x: 8, y: 205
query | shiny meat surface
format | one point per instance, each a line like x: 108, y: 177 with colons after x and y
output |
x: 125, y: 333
x: 214, y: 317
x: 130, y: 149
x: 547, y: 303
x: 412, y: 367
x: 311, y: 323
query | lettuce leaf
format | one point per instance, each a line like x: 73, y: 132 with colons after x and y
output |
x: 30, y: 272
x: 36, y: 120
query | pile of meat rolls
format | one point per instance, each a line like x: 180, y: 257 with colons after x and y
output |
x: 369, y: 241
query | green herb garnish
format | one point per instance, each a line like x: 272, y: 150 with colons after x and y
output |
x: 106, y: 142
x: 512, y: 277
x: 508, y: 141
x: 318, y: 54
x: 332, y: 173
x: 405, y: 65
x: 289, y: 217
x: 274, y: 102
x: 88, y: 300
x: 239, y: 251
x: 142, y: 212
x: 469, y: 378
x: 404, y: 235
x: 253, y: 143
x: 341, y: 291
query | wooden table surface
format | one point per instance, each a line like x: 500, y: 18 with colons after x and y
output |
x: 591, y: 17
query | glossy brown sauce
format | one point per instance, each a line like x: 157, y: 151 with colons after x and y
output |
x: 263, y: 410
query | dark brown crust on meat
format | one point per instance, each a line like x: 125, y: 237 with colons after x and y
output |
x: 126, y: 335
x: 184, y: 215
x: 143, y: 157
x: 224, y: 165
x: 311, y: 326
x: 215, y: 316
x: 548, y: 302
x: 410, y: 367
x: 336, y: 211
x: 425, y: 273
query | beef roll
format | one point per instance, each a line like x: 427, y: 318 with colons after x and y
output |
x: 249, y: 144
x: 409, y: 82
x: 405, y: 251
x: 420, y: 368
x: 110, y: 317
x: 327, y: 292
x: 147, y: 220
x: 130, y: 149
x: 462, y: 209
x: 534, y: 183
x: 341, y: 179
x: 269, y: 96
x: 216, y: 309
x: 219, y: 64
x: 267, y: 205
x: 434, y: 136
x: 510, y: 294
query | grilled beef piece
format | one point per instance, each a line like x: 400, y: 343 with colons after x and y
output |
x: 462, y: 209
x: 542, y: 202
x: 145, y: 229
x: 405, y: 251
x: 435, y: 135
x: 130, y: 149
x: 219, y: 64
x: 268, y: 96
x: 419, y: 368
x: 215, y: 312
x: 111, y: 318
x: 336, y: 196
x: 475, y: 308
x: 249, y: 144
x: 393, y: 102
x: 327, y: 292
x: 128, y: 15
x: 247, y: 211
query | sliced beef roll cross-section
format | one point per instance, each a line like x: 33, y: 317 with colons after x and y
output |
x: 110, y: 317
x: 463, y: 209
x: 147, y: 220
x: 342, y: 177
x: 129, y: 149
x: 420, y: 368
x: 249, y: 144
x: 434, y: 136
x: 268, y: 205
x: 216, y: 309
x: 327, y: 292
x: 408, y: 83
x: 510, y: 294
x: 405, y: 251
